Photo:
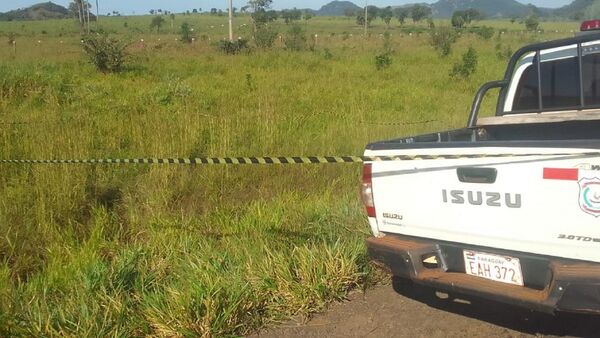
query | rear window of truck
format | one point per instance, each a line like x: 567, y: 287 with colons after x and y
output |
x: 558, y: 86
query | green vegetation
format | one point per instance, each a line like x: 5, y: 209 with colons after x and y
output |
x: 233, y: 47
x: 157, y: 22
x: 461, y: 19
x: 442, y: 39
x: 204, y: 251
x: 467, y: 67
x: 186, y: 33
x: 532, y: 23
x: 295, y: 39
x: 107, y: 53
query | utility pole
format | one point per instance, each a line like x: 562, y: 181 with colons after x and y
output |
x: 366, y: 17
x: 230, y: 20
x: 97, y: 14
x: 79, y: 14
x: 87, y: 6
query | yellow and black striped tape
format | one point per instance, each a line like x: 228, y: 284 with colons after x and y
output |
x: 284, y: 160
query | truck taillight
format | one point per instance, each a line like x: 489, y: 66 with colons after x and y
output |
x: 590, y: 25
x: 367, y: 189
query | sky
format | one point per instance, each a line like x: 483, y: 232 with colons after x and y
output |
x: 143, y: 6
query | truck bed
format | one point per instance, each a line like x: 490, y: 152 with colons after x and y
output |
x: 587, y: 131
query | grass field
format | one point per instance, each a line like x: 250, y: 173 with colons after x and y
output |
x: 199, y: 251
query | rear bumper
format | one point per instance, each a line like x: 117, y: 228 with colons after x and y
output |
x: 551, y: 284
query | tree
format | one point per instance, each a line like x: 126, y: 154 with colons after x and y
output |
x: 186, y: 33
x: 74, y: 10
x: 463, y: 18
x: 157, y: 23
x: 264, y: 36
x: 532, y: 23
x: 308, y: 15
x: 152, y: 12
x: 272, y: 15
x: 373, y: 12
x: 458, y: 20
x: 291, y: 15
x: 472, y: 14
x: 349, y: 12
x: 172, y: 16
x: 386, y: 14
x: 195, y: 11
x: 401, y: 14
x: 420, y: 12
x: 360, y: 19
x: 214, y: 11
x: 80, y: 9
x: 259, y: 12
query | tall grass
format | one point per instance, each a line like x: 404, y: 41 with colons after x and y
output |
x: 201, y: 251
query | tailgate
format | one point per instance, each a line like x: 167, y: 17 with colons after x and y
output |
x: 547, y: 205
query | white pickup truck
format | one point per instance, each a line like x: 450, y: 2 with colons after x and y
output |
x: 508, y: 208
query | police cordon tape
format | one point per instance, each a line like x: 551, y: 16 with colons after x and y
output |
x: 286, y: 160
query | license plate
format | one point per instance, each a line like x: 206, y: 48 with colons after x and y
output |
x: 494, y: 267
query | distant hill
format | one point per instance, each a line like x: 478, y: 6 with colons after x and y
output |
x: 577, y: 9
x: 445, y: 8
x: 493, y: 9
x: 337, y: 8
x: 43, y: 11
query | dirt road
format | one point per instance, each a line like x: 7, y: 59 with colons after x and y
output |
x: 419, y: 312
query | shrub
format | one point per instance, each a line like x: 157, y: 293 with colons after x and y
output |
x: 484, y: 32
x: 233, y: 47
x: 187, y: 35
x: 442, y: 39
x: 430, y: 23
x: 250, y: 85
x: 295, y: 39
x: 383, y: 61
x: 327, y: 55
x: 532, y: 23
x: 12, y: 37
x: 467, y: 67
x: 157, y: 23
x: 503, y: 53
x: 265, y: 36
x: 108, y: 54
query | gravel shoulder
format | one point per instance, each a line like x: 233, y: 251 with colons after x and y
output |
x: 413, y: 311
